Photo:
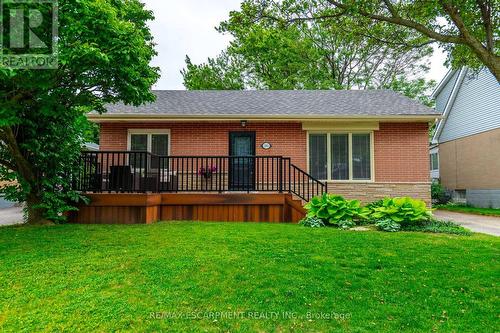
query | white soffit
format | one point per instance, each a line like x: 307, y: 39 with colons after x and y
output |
x: 340, y: 126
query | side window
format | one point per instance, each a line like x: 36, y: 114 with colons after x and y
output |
x: 434, y: 161
x: 155, y: 143
x: 361, y: 159
x: 139, y: 142
x: 340, y: 156
x: 318, y: 163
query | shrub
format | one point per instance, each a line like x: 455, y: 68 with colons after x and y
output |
x: 375, y: 204
x: 388, y: 225
x: 312, y: 222
x: 345, y: 224
x: 439, y: 194
x: 438, y: 226
x: 401, y: 210
x: 333, y: 208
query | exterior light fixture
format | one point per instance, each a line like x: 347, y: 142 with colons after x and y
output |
x: 266, y: 145
x: 243, y: 123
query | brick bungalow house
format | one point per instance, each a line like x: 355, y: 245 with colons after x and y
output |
x: 361, y: 144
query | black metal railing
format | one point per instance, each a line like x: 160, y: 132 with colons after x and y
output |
x: 134, y: 171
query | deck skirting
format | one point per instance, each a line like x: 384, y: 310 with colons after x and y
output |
x: 124, y: 208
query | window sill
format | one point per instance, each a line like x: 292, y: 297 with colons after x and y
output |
x: 349, y: 181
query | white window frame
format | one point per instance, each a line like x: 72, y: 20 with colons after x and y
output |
x: 329, y: 156
x: 150, y: 133
x: 437, y: 160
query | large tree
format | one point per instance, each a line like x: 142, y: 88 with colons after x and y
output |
x: 221, y: 73
x: 104, y: 52
x: 469, y: 30
x: 274, y: 50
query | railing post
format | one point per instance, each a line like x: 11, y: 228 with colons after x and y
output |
x: 289, y: 175
x: 281, y: 175
x: 160, y: 171
x: 145, y: 183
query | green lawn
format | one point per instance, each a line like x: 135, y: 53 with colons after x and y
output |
x: 470, y: 210
x: 267, y: 277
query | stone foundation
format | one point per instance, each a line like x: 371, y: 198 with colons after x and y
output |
x: 368, y: 192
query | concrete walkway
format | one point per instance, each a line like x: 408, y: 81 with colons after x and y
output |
x: 11, y: 216
x: 478, y: 223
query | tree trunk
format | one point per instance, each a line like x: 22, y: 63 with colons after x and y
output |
x: 492, y: 62
x: 34, y: 214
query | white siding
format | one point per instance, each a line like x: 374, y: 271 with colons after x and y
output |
x: 444, y: 94
x: 476, y: 108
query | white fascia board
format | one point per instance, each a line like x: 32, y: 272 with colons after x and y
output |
x: 449, y: 105
x: 443, y: 83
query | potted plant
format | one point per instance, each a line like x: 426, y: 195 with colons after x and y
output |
x: 207, y: 172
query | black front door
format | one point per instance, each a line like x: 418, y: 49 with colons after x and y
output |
x: 241, y: 162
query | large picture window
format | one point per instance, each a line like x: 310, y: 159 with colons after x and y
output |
x: 340, y: 156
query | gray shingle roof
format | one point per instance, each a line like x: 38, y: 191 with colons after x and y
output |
x: 329, y: 103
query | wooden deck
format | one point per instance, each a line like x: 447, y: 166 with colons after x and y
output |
x: 111, y: 208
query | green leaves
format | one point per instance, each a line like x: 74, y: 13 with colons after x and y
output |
x: 221, y: 73
x: 333, y: 209
x: 273, y: 48
x: 312, y: 222
x: 104, y: 50
x: 401, y: 210
x: 388, y: 225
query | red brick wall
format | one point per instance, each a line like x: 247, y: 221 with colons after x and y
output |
x: 402, y: 152
x: 401, y: 149
x: 203, y: 138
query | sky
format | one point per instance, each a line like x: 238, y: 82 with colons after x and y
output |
x: 187, y: 27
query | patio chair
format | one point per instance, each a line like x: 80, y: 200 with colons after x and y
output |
x: 121, y: 178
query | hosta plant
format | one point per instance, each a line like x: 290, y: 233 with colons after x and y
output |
x: 312, y: 222
x: 345, y: 224
x: 401, y: 210
x: 333, y: 208
x: 375, y: 204
x: 388, y: 225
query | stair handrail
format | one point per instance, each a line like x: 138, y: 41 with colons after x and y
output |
x: 303, y: 184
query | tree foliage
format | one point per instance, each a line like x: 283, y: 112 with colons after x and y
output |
x: 275, y: 49
x: 220, y: 73
x: 469, y: 30
x: 105, y: 48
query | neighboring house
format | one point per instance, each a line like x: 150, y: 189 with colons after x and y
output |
x: 90, y: 146
x: 466, y: 145
x: 434, y: 162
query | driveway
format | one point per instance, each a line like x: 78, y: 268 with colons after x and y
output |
x: 10, y: 216
x: 478, y: 223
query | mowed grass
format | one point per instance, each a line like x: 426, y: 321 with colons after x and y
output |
x: 244, y: 277
x: 471, y: 210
